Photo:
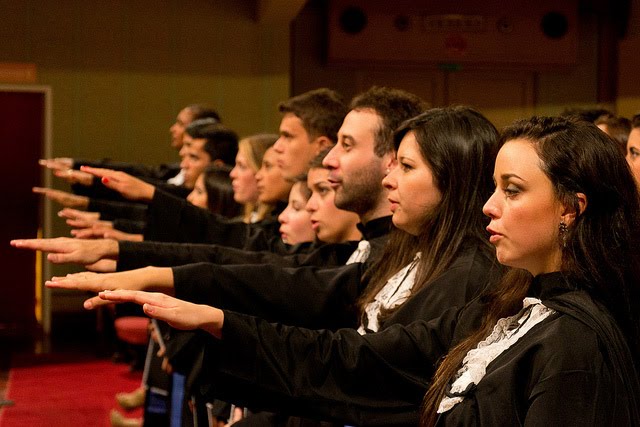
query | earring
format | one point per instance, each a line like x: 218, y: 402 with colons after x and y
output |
x: 563, y: 233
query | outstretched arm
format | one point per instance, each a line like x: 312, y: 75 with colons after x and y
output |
x: 79, y: 219
x: 143, y: 278
x: 64, y: 198
x: 130, y: 187
x: 177, y: 313
x: 376, y: 379
x: 63, y: 250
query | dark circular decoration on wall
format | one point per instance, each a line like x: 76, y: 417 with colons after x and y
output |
x: 353, y: 20
x: 554, y: 25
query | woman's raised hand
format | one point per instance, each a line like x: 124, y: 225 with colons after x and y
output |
x: 68, y: 200
x: 130, y: 187
x: 176, y: 312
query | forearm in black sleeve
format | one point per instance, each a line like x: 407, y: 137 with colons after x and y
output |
x: 376, y: 379
x: 134, y: 255
x: 111, y: 209
x: 172, y: 219
x: 129, y: 226
x: 305, y: 296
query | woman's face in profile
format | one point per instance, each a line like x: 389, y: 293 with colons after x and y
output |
x: 633, y: 153
x: 331, y: 225
x: 243, y: 181
x: 295, y: 222
x: 524, y: 210
x: 413, y: 192
x: 198, y: 196
x: 272, y: 187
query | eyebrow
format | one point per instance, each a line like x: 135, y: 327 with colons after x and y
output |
x: 319, y: 183
x: 348, y: 137
x: 506, y: 176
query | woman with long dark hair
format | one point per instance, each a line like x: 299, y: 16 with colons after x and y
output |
x: 565, y: 216
x: 438, y: 260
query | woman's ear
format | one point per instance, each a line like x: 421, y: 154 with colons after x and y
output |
x: 569, y: 215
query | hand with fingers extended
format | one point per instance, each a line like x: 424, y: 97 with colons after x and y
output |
x: 75, y: 177
x: 62, y: 197
x: 64, y: 250
x: 57, y: 163
x: 177, y: 313
x: 106, y: 231
x: 128, y: 186
x: 121, y: 235
x: 102, y: 266
x: 80, y: 219
x: 95, y: 231
x: 140, y: 279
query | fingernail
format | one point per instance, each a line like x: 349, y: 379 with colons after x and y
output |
x: 105, y: 180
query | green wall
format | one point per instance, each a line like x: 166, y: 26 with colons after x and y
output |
x: 121, y: 70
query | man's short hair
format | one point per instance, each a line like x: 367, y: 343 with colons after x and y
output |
x: 587, y: 114
x: 221, y: 143
x: 321, y: 112
x: 394, y: 106
x: 200, y: 111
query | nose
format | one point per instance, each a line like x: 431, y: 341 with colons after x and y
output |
x: 184, y: 163
x: 278, y: 146
x: 491, y: 208
x: 390, y: 181
x: 312, y: 204
x: 190, y: 198
x: 232, y: 174
x: 330, y: 161
x: 259, y: 175
x: 282, y: 218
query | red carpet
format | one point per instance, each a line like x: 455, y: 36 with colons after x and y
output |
x: 53, y: 393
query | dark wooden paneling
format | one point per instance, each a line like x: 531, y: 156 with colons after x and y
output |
x: 21, y: 136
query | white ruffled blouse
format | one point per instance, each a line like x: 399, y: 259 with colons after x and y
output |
x: 505, y: 334
x: 395, y: 292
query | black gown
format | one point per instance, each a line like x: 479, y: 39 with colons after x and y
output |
x: 172, y: 219
x: 571, y: 369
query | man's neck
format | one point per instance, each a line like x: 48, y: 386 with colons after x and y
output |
x: 378, y: 212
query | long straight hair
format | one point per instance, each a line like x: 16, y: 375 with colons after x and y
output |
x: 600, y: 250
x: 253, y: 148
x: 459, y: 145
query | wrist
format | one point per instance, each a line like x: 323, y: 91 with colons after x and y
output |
x: 149, y: 193
x: 111, y: 250
x: 158, y: 277
x: 212, y: 320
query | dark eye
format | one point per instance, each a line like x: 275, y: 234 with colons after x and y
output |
x: 511, y: 191
x: 323, y: 191
x: 405, y: 166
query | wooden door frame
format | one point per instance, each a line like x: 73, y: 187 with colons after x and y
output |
x: 46, y: 152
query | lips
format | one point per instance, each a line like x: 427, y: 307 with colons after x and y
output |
x: 393, y: 205
x: 315, y: 225
x: 334, y: 182
x: 495, y: 236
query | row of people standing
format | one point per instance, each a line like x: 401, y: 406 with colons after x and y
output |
x: 378, y: 327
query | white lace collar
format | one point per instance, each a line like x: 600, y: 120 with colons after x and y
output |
x: 505, y: 334
x: 395, y: 292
